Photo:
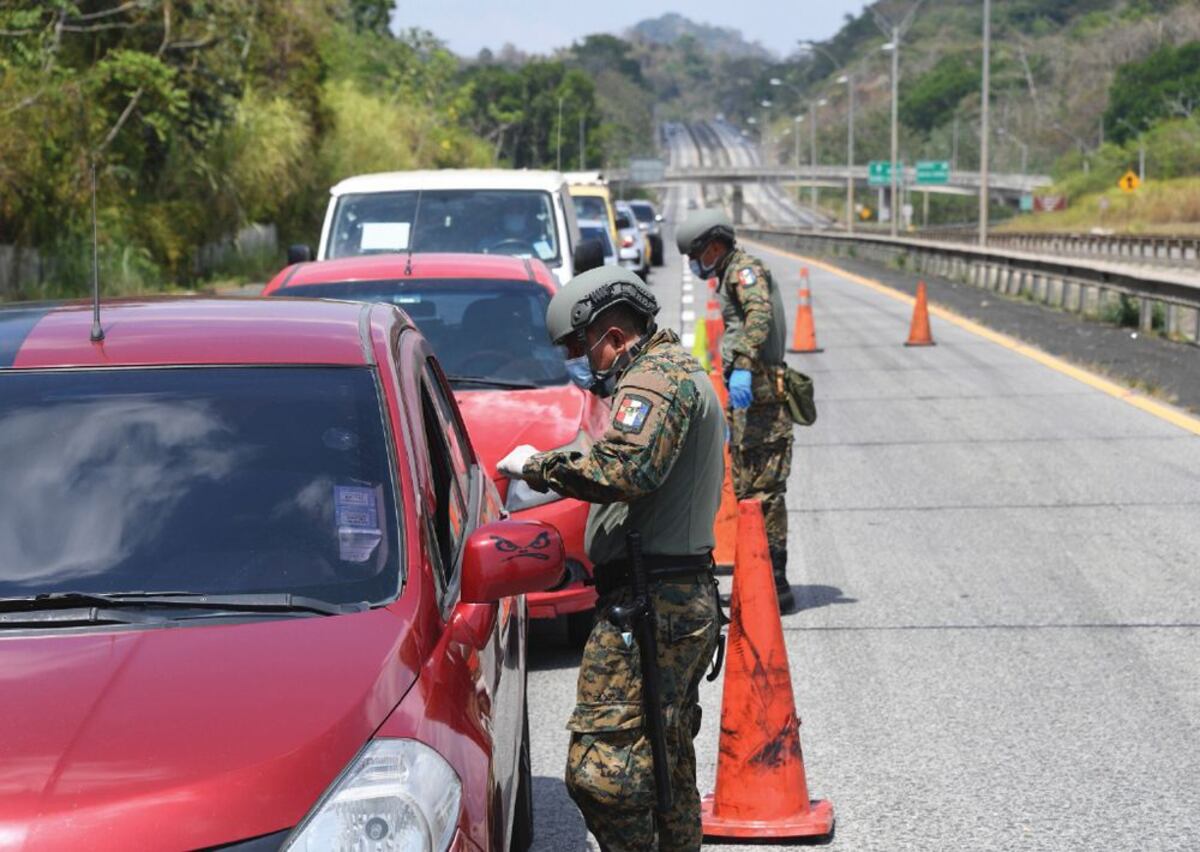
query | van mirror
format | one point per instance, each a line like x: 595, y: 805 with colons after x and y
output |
x: 589, y: 254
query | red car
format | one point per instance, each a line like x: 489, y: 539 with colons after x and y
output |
x: 255, y: 589
x: 485, y: 316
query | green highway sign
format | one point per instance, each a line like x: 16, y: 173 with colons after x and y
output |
x: 879, y: 173
x: 933, y: 171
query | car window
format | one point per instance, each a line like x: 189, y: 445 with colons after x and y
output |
x: 480, y: 329
x: 459, y: 447
x: 623, y: 221
x: 596, y: 232
x: 220, y: 480
x: 590, y: 207
x: 643, y: 212
x: 510, y: 222
x: 449, y: 511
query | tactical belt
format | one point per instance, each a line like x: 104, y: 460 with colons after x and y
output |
x: 611, y: 576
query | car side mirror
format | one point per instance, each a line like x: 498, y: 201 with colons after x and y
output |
x: 298, y: 253
x: 658, y: 217
x: 507, y: 558
x: 589, y: 254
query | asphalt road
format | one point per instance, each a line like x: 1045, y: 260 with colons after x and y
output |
x: 998, y: 640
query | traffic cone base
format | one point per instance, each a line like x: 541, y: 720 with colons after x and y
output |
x: 761, y: 789
x: 815, y: 821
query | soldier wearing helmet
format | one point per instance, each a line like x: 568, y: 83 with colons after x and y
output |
x: 752, y: 352
x: 658, y: 469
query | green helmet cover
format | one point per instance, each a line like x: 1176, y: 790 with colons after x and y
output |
x: 700, y: 227
x: 583, y: 298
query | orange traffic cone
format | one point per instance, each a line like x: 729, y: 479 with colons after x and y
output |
x: 761, y: 787
x: 919, y: 333
x: 725, y: 530
x: 715, y: 325
x: 804, y: 335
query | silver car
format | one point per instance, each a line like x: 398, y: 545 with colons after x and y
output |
x: 597, y: 229
x: 632, y: 250
x: 649, y: 220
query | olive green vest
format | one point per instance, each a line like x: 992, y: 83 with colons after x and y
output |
x: 677, y: 519
x: 772, y: 349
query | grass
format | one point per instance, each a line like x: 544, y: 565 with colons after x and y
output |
x: 1170, y: 207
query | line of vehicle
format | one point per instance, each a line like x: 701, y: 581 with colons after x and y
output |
x: 1127, y: 395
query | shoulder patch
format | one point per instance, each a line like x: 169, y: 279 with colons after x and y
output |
x: 631, y: 414
x: 747, y: 277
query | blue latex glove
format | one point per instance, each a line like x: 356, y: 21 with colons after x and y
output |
x: 739, y: 389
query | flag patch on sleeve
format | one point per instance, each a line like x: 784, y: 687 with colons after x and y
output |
x: 631, y: 413
x: 747, y: 277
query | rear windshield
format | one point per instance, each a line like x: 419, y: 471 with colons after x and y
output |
x: 590, y: 207
x: 479, y: 328
x: 643, y: 212
x: 488, y: 221
x: 597, y: 232
x: 215, y: 480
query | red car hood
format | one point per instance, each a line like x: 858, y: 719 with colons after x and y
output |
x: 545, y: 418
x: 188, y: 737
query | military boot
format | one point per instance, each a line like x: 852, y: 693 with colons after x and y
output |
x: 783, y: 589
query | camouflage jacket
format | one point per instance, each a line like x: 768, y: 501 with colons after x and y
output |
x: 658, y: 468
x: 752, y: 309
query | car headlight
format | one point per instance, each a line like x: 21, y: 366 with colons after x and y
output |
x: 521, y: 496
x: 397, y: 794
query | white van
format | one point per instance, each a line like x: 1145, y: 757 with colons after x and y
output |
x: 489, y: 211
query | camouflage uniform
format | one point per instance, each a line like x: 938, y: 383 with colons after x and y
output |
x: 761, y: 435
x: 658, y: 469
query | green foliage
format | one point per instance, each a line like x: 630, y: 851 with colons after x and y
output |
x: 1166, y: 83
x: 932, y: 99
x: 202, y: 118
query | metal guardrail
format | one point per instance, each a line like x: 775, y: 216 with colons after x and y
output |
x: 1166, y: 298
x: 1128, y: 248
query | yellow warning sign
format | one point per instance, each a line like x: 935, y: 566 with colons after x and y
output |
x: 865, y: 214
x: 1129, y: 182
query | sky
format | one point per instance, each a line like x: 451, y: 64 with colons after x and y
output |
x: 540, y: 26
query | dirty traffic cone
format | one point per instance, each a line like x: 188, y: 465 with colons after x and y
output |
x: 725, y: 529
x: 761, y: 787
x: 804, y: 334
x: 919, y: 333
x: 714, y: 326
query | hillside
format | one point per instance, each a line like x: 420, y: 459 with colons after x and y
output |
x: 666, y: 30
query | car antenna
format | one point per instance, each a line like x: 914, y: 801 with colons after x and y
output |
x: 412, y: 236
x: 97, y: 330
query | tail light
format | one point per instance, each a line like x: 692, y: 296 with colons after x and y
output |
x: 627, y: 242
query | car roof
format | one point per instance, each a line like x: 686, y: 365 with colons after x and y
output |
x: 634, y: 202
x: 590, y: 190
x: 171, y: 331
x: 434, y: 179
x: 418, y: 266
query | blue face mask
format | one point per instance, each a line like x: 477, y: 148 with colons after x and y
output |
x: 580, y: 372
x: 697, y: 270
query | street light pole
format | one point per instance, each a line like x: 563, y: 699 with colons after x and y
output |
x: 895, y: 218
x: 985, y: 123
x: 812, y: 157
x: 558, y: 139
x: 848, y: 79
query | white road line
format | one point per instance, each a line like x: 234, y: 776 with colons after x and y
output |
x: 686, y: 299
x: 688, y: 316
x: 687, y: 340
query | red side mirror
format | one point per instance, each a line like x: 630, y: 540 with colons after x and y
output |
x: 506, y: 558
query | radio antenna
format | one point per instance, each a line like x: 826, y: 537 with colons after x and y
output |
x: 412, y: 236
x: 97, y: 331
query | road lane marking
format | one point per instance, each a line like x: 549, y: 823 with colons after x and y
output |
x: 687, y: 298
x: 689, y: 316
x: 1160, y: 410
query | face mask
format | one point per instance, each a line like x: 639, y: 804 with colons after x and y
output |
x: 580, y: 372
x: 697, y: 271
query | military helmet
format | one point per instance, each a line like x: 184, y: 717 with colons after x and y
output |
x: 583, y: 298
x: 700, y: 227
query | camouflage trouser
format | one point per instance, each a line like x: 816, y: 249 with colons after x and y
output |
x: 610, y: 772
x: 760, y: 449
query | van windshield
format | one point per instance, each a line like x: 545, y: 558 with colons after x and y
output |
x: 590, y: 207
x: 488, y: 221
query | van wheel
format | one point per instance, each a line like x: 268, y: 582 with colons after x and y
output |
x: 522, y: 830
x: 579, y: 627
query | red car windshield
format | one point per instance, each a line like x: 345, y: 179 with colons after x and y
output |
x: 484, y: 331
x: 240, y: 480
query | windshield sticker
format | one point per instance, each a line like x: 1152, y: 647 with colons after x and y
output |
x: 384, y: 236
x: 356, y: 510
x: 543, y: 249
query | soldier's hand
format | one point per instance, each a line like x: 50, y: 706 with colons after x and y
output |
x: 740, y: 395
x: 513, y: 464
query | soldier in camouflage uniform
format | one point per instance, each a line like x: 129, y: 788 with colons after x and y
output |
x: 752, y: 352
x: 658, y: 470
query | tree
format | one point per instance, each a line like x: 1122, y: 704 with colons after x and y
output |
x: 1164, y: 84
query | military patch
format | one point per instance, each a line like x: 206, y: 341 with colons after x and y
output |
x: 631, y: 414
x: 747, y: 277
